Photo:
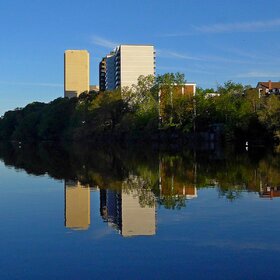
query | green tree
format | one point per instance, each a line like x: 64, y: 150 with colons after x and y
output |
x: 269, y: 115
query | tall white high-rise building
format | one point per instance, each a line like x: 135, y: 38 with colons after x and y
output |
x: 125, y: 64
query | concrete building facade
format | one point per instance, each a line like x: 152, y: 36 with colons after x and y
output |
x: 125, y: 64
x: 76, y: 72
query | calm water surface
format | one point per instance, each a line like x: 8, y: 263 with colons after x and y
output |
x: 71, y: 212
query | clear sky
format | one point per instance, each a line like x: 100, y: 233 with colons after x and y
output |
x: 209, y: 41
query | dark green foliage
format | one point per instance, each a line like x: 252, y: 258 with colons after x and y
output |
x: 243, y: 114
x: 133, y: 113
x: 38, y: 121
x: 55, y: 119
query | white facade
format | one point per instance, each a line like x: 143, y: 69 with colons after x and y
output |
x: 127, y: 63
x: 135, y: 61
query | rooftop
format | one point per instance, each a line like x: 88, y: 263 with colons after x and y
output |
x: 76, y: 51
x: 266, y: 84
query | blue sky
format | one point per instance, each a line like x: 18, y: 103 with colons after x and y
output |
x: 209, y: 41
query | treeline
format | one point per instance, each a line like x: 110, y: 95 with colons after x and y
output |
x: 236, y: 112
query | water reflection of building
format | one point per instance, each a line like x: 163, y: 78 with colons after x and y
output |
x: 269, y: 192
x: 77, y: 205
x: 124, y: 212
x: 110, y: 208
x: 131, y: 210
x: 172, y: 185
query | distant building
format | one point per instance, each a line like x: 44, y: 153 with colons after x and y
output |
x: 94, y: 88
x: 166, y: 95
x: 77, y: 205
x: 123, y: 66
x: 212, y: 95
x: 76, y: 72
x: 269, y: 192
x: 187, y: 89
x: 267, y: 88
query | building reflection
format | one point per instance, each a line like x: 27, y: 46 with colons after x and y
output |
x: 123, y: 211
x: 77, y: 205
x: 110, y: 208
x: 131, y: 208
x: 175, y: 189
x: 269, y: 192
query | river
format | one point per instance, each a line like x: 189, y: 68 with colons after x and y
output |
x: 87, y: 212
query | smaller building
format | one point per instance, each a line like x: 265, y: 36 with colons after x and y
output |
x: 187, y: 89
x: 167, y: 94
x: 212, y: 95
x: 94, y: 88
x: 267, y: 88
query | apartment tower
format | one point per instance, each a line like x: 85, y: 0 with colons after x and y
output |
x: 76, y: 72
x: 123, y: 66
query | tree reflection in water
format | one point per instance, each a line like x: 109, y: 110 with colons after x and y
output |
x: 153, y: 176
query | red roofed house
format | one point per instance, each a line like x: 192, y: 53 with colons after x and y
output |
x: 267, y: 88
